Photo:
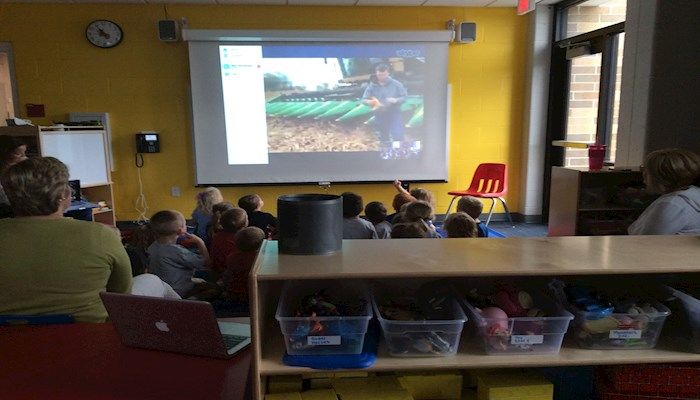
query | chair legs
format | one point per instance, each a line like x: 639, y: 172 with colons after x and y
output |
x: 505, y: 207
x: 450, y: 206
x: 493, y: 203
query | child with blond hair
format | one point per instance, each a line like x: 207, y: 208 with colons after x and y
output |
x: 203, y: 212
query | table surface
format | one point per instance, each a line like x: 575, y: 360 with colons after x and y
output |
x: 87, y: 361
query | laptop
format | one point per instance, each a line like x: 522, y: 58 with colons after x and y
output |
x: 181, y: 326
x: 76, y: 195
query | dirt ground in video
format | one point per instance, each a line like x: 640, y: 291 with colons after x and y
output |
x: 286, y: 135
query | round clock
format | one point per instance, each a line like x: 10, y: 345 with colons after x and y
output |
x: 104, y: 34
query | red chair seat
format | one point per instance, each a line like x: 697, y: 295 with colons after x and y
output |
x: 490, y: 181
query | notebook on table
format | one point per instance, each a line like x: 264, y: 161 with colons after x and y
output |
x: 181, y: 326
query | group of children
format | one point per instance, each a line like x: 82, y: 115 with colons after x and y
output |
x: 213, y: 262
x: 413, y: 217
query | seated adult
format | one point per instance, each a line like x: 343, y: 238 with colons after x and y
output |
x: 674, y: 173
x: 12, y: 151
x: 51, y: 264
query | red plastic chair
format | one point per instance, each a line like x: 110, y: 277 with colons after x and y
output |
x: 490, y: 181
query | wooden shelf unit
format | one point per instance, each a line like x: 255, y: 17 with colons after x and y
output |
x: 31, y: 136
x: 584, y: 202
x: 456, y: 259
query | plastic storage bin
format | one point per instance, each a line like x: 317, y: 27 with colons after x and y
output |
x: 324, y: 335
x: 426, y: 338
x: 618, y: 330
x: 692, y: 310
x: 531, y: 335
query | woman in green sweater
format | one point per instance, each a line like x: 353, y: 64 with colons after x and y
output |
x: 50, y: 264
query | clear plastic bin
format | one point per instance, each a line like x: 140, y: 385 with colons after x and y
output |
x: 692, y: 310
x: 428, y: 338
x: 323, y: 335
x: 530, y: 335
x: 618, y: 331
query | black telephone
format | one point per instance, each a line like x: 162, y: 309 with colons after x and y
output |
x: 147, y: 142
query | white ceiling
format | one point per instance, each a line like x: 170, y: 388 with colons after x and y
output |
x: 428, y: 3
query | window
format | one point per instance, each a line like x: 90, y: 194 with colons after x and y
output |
x: 584, y: 91
x: 590, y: 39
x: 591, y: 15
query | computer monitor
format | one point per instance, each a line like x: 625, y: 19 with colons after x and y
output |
x: 75, y: 190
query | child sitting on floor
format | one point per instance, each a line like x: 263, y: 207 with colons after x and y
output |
x: 239, y: 264
x: 399, y: 201
x: 409, y: 230
x: 216, y: 211
x: 473, y: 207
x: 376, y: 214
x: 173, y: 263
x: 202, y: 213
x: 421, y: 211
x: 417, y: 193
x: 223, y: 243
x: 253, y: 204
x: 355, y: 227
x: 460, y: 225
x: 145, y: 284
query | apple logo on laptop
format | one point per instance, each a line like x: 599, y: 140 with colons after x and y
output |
x: 162, y: 326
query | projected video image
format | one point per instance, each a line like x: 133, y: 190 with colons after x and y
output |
x: 345, y: 104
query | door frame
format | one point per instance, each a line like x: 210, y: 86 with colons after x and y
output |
x: 6, y: 47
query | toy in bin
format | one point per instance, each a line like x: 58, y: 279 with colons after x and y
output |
x: 319, y: 318
x: 611, y: 322
x: 511, y: 320
x: 427, y: 324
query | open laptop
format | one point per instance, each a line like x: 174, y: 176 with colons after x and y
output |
x: 181, y: 326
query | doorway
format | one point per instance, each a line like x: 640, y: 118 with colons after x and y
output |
x: 8, y: 86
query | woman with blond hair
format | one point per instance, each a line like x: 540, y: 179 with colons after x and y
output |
x: 50, y: 264
x: 674, y: 173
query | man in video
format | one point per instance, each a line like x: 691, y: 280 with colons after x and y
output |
x: 385, y: 96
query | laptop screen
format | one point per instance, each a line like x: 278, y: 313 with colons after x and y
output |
x: 75, y: 190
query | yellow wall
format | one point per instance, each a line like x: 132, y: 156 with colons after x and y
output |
x: 143, y: 84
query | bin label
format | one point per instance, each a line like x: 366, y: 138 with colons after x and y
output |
x: 526, y: 339
x: 626, y: 334
x: 323, y: 340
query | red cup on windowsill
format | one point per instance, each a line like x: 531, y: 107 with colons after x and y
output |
x: 596, y: 156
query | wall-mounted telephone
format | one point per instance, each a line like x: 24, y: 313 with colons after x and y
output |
x: 147, y: 142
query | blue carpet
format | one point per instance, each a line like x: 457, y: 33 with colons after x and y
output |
x: 503, y: 229
x: 518, y: 229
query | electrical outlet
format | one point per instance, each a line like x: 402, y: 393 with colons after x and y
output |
x: 175, y: 191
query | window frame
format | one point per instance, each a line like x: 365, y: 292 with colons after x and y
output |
x: 603, y: 40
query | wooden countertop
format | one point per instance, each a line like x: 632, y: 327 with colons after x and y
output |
x: 403, y: 258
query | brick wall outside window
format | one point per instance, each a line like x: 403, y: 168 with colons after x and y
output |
x: 585, y: 78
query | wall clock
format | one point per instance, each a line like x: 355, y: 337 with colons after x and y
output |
x: 104, y: 34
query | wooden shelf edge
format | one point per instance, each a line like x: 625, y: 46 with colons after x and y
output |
x: 568, y: 356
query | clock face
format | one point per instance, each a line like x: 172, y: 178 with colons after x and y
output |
x: 104, y: 34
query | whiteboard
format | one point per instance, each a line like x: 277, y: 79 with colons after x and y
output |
x: 82, y: 151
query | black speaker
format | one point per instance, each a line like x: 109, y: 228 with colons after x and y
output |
x: 168, y: 30
x: 466, y: 32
